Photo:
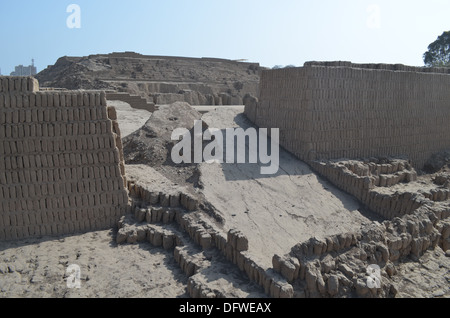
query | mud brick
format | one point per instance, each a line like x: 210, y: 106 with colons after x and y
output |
x: 8, y: 116
x: 7, y: 101
x: 90, y: 143
x: 46, y: 230
x: 44, y: 100
x: 8, y: 131
x: 12, y: 85
x: 52, y: 115
x: 101, y: 143
x: 91, y: 214
x: 84, y: 200
x: 50, y: 100
x: 39, y: 100
x: 13, y: 233
x: 77, y: 227
x: 92, y: 128
x: 103, y: 101
x: 102, y: 113
x: 110, y: 185
x: 84, y: 143
x: 25, y: 101
x: 85, y: 225
x: 68, y: 97
x: 75, y: 100
x: 80, y: 99
x: 112, y: 114
x: 62, y: 99
x: 92, y: 199
x: 32, y: 100
x: 13, y: 101
x: 91, y: 96
x: 47, y: 113
x: 86, y: 99
x: 60, y: 229
x: 97, y: 99
x: 54, y: 229
x: 5, y: 85
x: 19, y: 219
x: 19, y: 101
x: 15, y: 117
x: 32, y: 218
x: 22, y: 116
x: 24, y: 84
x: 58, y: 115
x: 17, y: 84
x: 103, y: 128
x: 56, y: 99
x: 6, y: 219
x: 108, y: 127
x: 33, y: 84
x: 34, y: 115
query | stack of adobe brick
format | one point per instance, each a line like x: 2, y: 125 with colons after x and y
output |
x: 60, y: 163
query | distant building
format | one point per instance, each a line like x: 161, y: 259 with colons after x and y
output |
x: 21, y: 70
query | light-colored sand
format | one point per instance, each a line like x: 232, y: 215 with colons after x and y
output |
x: 38, y: 268
x: 129, y: 119
x: 427, y: 278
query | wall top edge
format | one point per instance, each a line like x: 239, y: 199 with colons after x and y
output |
x: 367, y: 67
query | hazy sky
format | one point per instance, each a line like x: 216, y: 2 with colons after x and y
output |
x: 272, y: 32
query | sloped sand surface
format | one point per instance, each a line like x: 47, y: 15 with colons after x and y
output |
x: 275, y: 211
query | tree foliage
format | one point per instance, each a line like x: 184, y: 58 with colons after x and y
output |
x: 438, y: 53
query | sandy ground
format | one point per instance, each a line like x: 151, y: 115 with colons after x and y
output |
x: 275, y: 212
x: 427, y: 278
x: 39, y: 268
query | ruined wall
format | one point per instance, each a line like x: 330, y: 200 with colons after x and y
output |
x: 61, y: 169
x: 344, y: 110
x: 136, y: 102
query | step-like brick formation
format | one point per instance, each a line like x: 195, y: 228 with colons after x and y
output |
x: 135, y: 101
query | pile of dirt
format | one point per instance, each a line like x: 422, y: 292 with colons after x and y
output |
x: 152, y: 144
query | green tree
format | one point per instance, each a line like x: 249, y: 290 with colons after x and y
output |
x: 438, y: 53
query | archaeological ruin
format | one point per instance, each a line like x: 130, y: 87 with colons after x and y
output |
x: 368, y: 129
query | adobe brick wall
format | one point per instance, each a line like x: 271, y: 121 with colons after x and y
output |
x: 343, y: 110
x: 61, y: 168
